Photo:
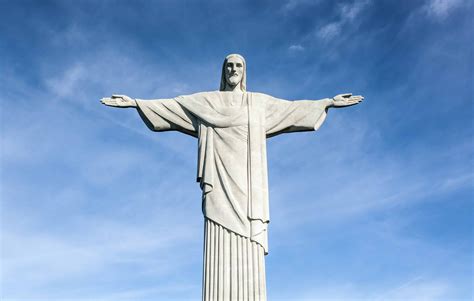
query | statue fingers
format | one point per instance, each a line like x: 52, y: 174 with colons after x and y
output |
x: 109, y: 102
x: 348, y: 102
x: 355, y: 99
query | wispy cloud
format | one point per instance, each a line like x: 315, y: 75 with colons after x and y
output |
x: 294, y: 4
x: 416, y: 289
x: 296, y: 48
x: 441, y: 9
x: 377, y: 187
x: 66, y: 84
x: 352, y: 11
x: 146, y: 249
x: 437, y: 11
x: 347, y: 15
x: 330, y: 31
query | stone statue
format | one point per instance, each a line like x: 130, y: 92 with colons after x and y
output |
x: 232, y: 126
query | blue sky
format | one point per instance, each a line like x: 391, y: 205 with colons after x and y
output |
x: 377, y: 205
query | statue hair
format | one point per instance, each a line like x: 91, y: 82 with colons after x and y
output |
x: 243, y: 82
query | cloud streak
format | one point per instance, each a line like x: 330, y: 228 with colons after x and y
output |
x: 441, y: 9
x: 346, y: 16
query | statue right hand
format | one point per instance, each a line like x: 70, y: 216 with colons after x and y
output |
x: 119, y: 101
x: 345, y: 100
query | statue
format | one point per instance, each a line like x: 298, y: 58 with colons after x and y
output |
x: 232, y: 126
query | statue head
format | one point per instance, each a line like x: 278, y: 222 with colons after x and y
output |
x: 233, y: 73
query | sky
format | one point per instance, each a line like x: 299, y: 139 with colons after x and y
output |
x: 376, y: 205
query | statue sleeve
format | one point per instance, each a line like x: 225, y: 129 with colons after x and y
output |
x: 283, y: 116
x: 167, y: 115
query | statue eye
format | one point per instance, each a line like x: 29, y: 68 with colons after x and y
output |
x: 239, y: 65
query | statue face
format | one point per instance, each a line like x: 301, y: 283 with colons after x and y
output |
x: 234, y: 70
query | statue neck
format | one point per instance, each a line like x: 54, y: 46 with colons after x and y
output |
x: 235, y: 88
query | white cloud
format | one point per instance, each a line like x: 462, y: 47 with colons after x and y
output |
x: 296, y: 48
x: 293, y: 4
x: 67, y: 83
x: 329, y: 31
x: 456, y: 181
x: 330, y: 200
x: 347, y: 15
x: 34, y: 260
x: 441, y: 9
x: 416, y: 289
x: 352, y: 11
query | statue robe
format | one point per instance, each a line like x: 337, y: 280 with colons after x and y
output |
x: 232, y: 128
x: 232, y: 161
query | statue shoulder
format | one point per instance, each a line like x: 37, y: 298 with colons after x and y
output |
x: 260, y: 95
x: 201, y: 94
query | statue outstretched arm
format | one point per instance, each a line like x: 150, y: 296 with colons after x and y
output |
x: 158, y: 114
x: 283, y: 116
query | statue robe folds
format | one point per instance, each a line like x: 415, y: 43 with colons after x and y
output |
x: 232, y: 161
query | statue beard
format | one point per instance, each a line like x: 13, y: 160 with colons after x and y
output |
x: 234, y: 80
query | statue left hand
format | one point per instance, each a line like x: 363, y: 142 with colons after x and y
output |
x: 344, y: 100
x: 119, y: 101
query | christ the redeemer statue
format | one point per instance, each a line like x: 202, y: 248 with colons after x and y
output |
x: 232, y: 126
